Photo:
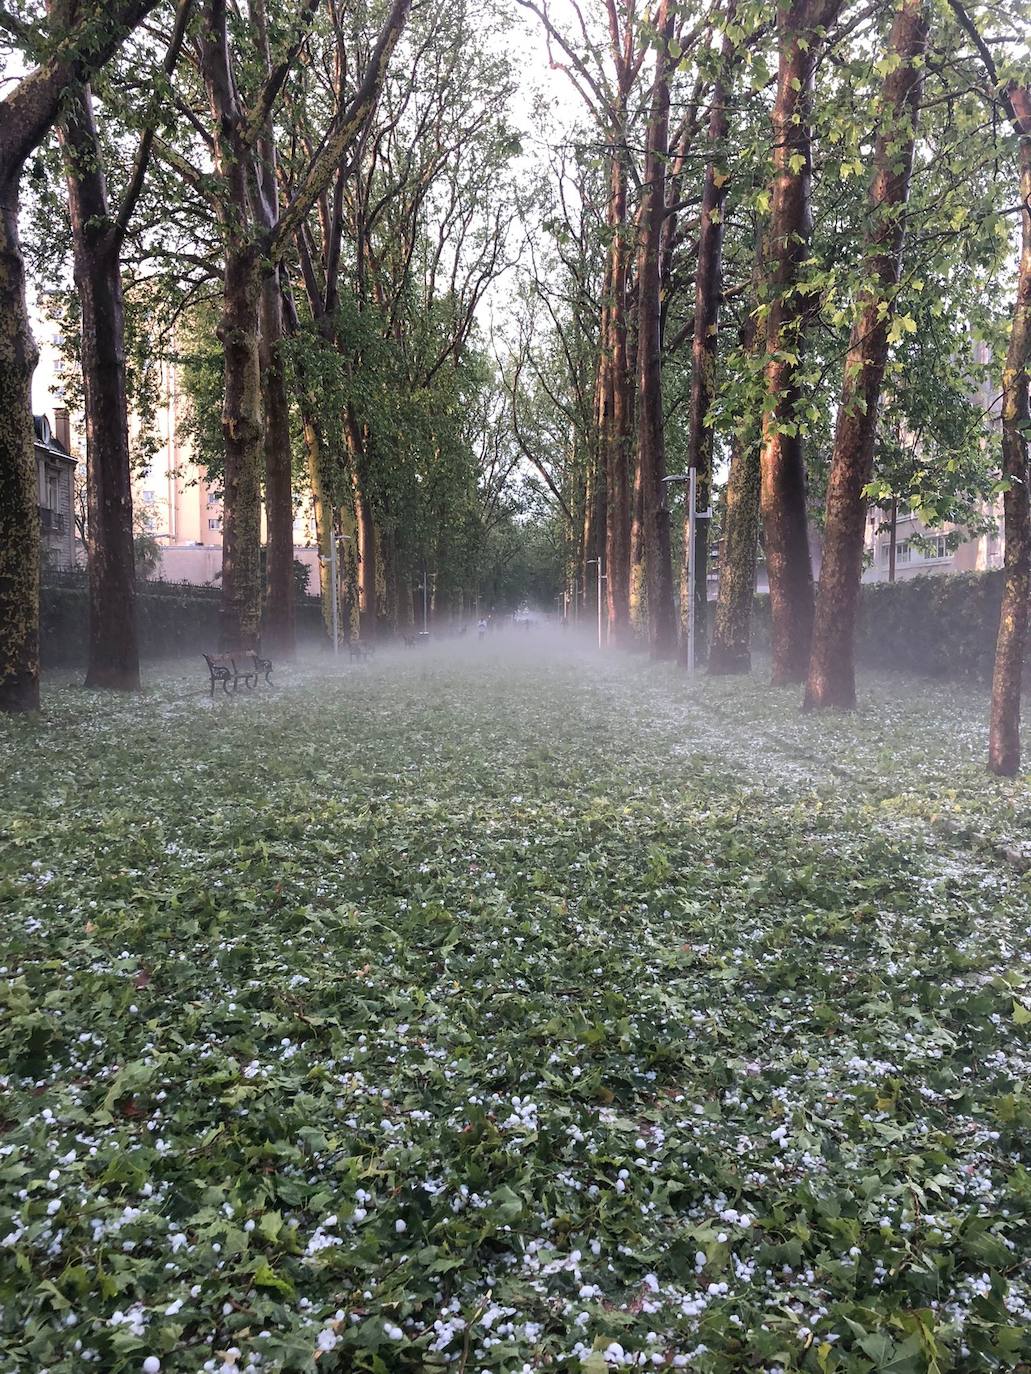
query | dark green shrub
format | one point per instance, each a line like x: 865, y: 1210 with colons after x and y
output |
x: 940, y: 626
x: 176, y: 619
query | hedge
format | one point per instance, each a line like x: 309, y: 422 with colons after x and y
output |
x: 175, y: 619
x: 940, y: 625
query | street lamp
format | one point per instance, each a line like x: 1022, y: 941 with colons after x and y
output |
x: 334, y: 576
x: 424, y: 588
x: 693, y: 516
x: 602, y: 577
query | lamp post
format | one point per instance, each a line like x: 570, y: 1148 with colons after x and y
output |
x: 693, y: 516
x: 334, y: 577
x: 602, y: 577
x: 424, y: 588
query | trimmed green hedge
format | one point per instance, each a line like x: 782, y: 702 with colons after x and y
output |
x: 175, y: 620
x: 939, y: 625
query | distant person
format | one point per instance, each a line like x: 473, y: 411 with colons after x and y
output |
x: 481, y: 629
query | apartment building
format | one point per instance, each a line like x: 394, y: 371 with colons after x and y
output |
x: 172, y: 498
x: 55, y: 488
x: 919, y: 550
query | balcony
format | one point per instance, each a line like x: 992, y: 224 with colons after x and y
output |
x: 50, y: 521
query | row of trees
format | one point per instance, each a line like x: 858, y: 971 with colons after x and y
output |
x: 771, y: 244
x: 302, y: 210
x: 782, y: 245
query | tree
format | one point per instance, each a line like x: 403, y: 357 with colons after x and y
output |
x: 254, y: 234
x: 1004, y: 732
x: 707, y: 298
x: 730, y: 651
x: 651, y: 420
x: 831, y: 676
x: 73, y: 55
x: 801, y: 26
x: 1004, y: 728
x: 605, y: 72
x: 98, y: 232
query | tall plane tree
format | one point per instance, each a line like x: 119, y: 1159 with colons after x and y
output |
x: 605, y: 80
x: 1004, y: 728
x: 26, y: 116
x: 707, y: 297
x: 98, y: 233
x: 801, y: 25
x: 254, y: 238
x: 662, y: 629
x: 731, y: 648
x: 832, y: 679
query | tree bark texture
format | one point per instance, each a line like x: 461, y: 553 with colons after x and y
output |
x: 19, y: 518
x: 783, y: 480
x: 368, y: 554
x: 617, y: 412
x: 831, y: 680
x: 280, y: 613
x: 707, y: 299
x: 662, y: 631
x: 238, y: 332
x: 638, y: 563
x: 1004, y: 730
x: 113, y: 649
x: 731, y: 649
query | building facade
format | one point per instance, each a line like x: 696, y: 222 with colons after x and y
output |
x: 173, y: 501
x: 55, y: 490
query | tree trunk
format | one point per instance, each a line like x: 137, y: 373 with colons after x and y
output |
x: 832, y: 677
x: 280, y: 614
x: 662, y: 633
x: 617, y: 413
x: 314, y: 454
x: 731, y: 650
x: 321, y: 509
x: 238, y: 332
x: 594, y: 534
x: 368, y: 569
x: 783, y: 483
x: 893, y: 530
x: 638, y: 563
x: 1004, y: 731
x: 242, y: 432
x: 113, y: 652
x: 26, y: 114
x: 19, y: 518
x: 708, y: 294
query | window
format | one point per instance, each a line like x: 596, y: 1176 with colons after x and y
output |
x: 903, y: 552
x: 938, y: 547
x: 214, y: 524
x: 53, y: 489
x: 148, y: 498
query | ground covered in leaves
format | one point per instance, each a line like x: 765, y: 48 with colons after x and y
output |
x: 500, y: 1012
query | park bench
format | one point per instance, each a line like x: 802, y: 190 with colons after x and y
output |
x: 243, y: 666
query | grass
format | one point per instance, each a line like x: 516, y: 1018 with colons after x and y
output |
x: 511, y: 1013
